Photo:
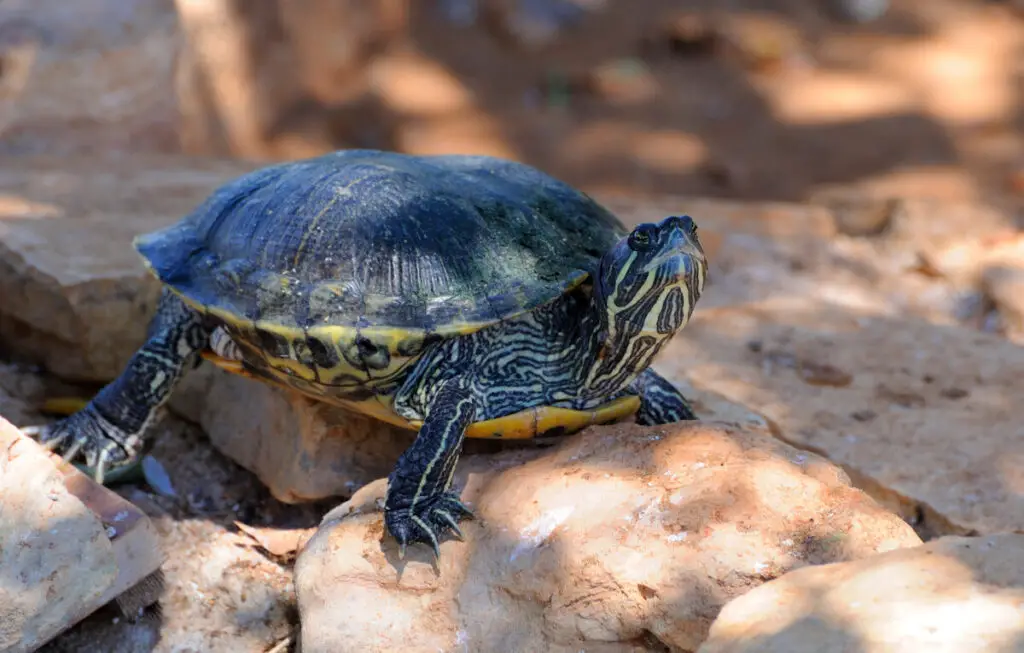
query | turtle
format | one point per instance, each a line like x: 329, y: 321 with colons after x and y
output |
x: 454, y: 295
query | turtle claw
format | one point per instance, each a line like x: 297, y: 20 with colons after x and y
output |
x: 87, y: 442
x: 426, y: 522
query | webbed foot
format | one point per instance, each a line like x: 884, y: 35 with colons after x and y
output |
x: 426, y: 521
x: 85, y: 437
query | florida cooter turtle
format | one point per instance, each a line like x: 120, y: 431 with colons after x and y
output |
x: 460, y: 296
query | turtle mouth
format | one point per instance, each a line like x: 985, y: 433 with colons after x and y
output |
x: 681, y: 262
x: 681, y: 253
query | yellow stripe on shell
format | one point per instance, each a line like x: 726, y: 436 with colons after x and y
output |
x: 521, y: 425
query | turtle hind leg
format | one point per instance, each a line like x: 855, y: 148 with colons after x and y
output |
x: 420, y: 506
x: 107, y: 433
x: 660, y: 401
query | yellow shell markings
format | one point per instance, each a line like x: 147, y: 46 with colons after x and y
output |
x: 524, y: 424
x: 521, y: 425
x: 339, y: 192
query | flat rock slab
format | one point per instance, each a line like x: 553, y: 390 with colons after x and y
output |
x: 56, y: 561
x: 951, y: 595
x: 302, y: 450
x: 925, y: 417
x: 75, y: 295
x: 621, y: 538
x: 93, y: 75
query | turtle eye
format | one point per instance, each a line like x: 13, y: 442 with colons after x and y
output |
x: 640, y: 239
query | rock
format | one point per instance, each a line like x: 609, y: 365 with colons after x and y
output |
x: 300, y: 449
x: 928, y: 420
x: 949, y: 595
x: 221, y: 592
x: 304, y: 450
x: 621, y: 538
x: 76, y: 297
x: 93, y: 76
x: 56, y: 561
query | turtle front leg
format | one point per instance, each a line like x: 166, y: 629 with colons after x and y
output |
x: 108, y: 432
x: 660, y: 401
x: 419, y: 506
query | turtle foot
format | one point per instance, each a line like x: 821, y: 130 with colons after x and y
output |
x: 85, y: 437
x: 427, y: 521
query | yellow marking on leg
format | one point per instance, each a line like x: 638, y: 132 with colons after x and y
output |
x: 437, y: 456
x: 64, y: 405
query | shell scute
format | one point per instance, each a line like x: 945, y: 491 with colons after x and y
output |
x: 345, y: 267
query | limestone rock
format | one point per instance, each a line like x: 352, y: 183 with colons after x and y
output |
x: 75, y: 295
x: 950, y: 595
x: 302, y: 450
x: 95, y: 75
x: 925, y: 417
x: 55, y: 557
x: 220, y: 592
x: 621, y: 538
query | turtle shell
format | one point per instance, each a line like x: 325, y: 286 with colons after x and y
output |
x: 365, y: 255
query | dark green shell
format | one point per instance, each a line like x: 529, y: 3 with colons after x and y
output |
x: 365, y: 238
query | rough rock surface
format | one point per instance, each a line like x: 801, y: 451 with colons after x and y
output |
x: 92, y: 75
x: 924, y: 416
x: 76, y: 297
x: 54, y: 552
x: 950, y: 595
x: 622, y: 538
x: 221, y: 591
x: 304, y: 450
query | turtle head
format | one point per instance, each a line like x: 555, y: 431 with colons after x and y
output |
x: 646, y: 288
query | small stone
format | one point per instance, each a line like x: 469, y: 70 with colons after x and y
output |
x: 950, y: 595
x: 610, y: 535
x: 823, y: 374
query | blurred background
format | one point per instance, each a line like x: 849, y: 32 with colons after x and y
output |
x: 783, y: 99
